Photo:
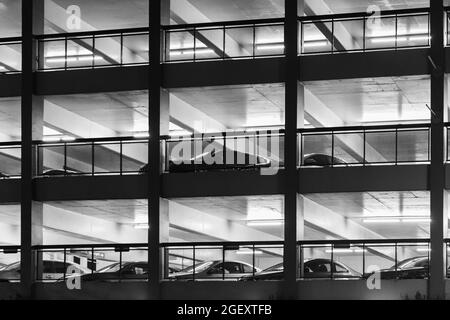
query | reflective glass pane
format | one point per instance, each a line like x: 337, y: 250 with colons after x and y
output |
x: 239, y: 42
x: 315, y: 37
x: 135, y: 48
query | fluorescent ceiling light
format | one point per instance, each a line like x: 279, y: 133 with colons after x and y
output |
x: 400, y: 38
x: 51, y: 132
x: 249, y: 251
x: 141, y: 135
x: 264, y: 223
x: 416, y: 220
x: 68, y: 138
x: 381, y: 220
x: 269, y: 45
x: 178, y: 52
x: 51, y: 138
x: 141, y: 226
x: 57, y: 138
x: 345, y: 250
x: 72, y: 58
x: 176, y: 133
x: 316, y: 43
x: 396, y: 219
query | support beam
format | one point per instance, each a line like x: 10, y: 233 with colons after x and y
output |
x: 438, y: 225
x: 292, y: 10
x: 31, y: 108
x: 154, y: 149
x: 339, y: 35
x: 183, y: 12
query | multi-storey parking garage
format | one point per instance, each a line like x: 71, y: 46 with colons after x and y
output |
x: 245, y: 149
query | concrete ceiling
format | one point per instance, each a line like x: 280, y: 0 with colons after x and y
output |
x: 107, y: 14
x: 113, y: 14
x: 122, y: 112
x: 10, y: 119
x: 238, y: 106
x: 385, y: 99
x: 327, y: 216
x: 346, y: 6
x: 358, y: 206
x: 118, y: 211
x: 10, y: 18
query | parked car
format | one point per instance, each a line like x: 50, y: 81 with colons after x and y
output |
x: 321, y: 160
x: 412, y: 268
x: 59, y: 172
x: 117, y: 271
x: 197, y: 163
x: 173, y: 269
x: 315, y: 268
x: 51, y: 270
x: 3, y: 175
x: 211, y: 270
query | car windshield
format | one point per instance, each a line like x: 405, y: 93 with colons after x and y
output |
x: 115, y: 267
x: 199, y: 267
x: 277, y: 267
x: 413, y: 263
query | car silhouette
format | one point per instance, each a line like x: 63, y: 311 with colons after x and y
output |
x: 313, y: 269
x: 241, y: 161
x: 59, y: 172
x: 215, y: 270
x: 321, y: 160
x: 50, y: 270
x: 3, y: 175
x: 119, y: 271
x: 412, y: 268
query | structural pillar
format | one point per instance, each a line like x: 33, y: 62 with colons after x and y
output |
x: 158, y: 125
x: 292, y: 98
x: 438, y: 225
x: 31, y: 129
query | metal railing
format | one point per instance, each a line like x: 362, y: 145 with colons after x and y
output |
x: 100, y: 156
x: 202, y: 261
x: 371, y: 145
x: 224, y: 151
x: 447, y: 137
x: 246, y: 39
x: 10, y: 160
x: 93, y: 49
x: 9, y: 263
x: 10, y: 55
x: 388, y: 30
x: 93, y: 262
x: 447, y: 257
x: 447, y: 25
x: 357, y: 259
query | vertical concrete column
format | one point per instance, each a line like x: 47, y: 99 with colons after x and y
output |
x: 158, y: 124
x: 292, y: 8
x: 438, y: 225
x: 31, y: 113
